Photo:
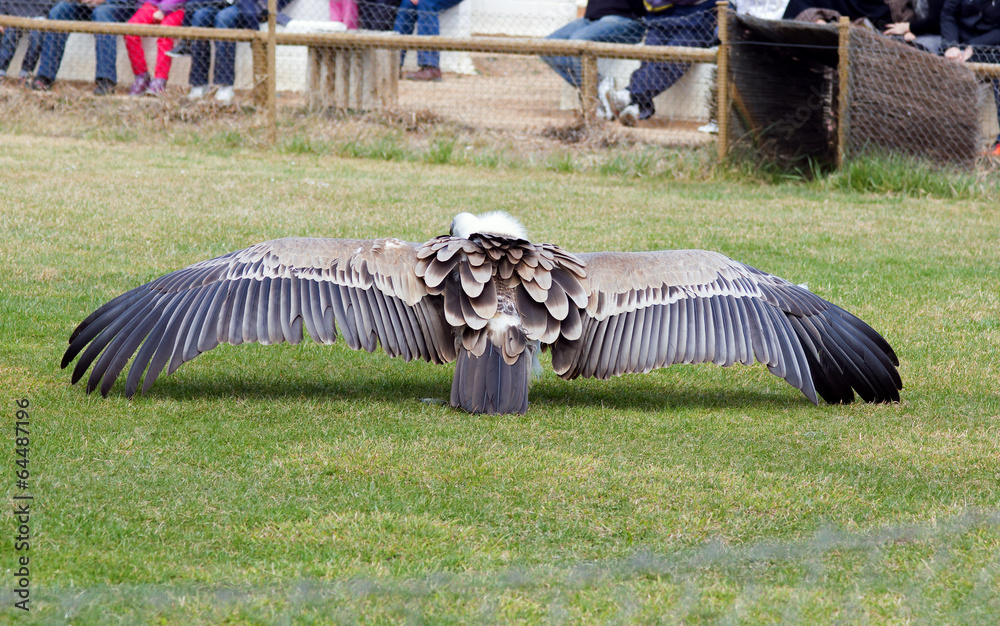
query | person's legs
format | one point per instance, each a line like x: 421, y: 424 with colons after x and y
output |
x: 608, y: 29
x: 406, y: 18
x: 428, y: 24
x: 8, y: 46
x: 692, y: 26
x: 32, y: 53
x: 53, y: 43
x: 225, y: 51
x: 201, y: 49
x: 133, y: 43
x: 106, y: 46
x: 165, y: 44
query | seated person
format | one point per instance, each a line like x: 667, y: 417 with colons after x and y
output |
x: 690, y: 25
x: 423, y: 15
x: 12, y: 36
x: 970, y: 32
x: 105, y: 46
x: 166, y: 13
x: 924, y: 29
x: 608, y: 21
x: 242, y: 14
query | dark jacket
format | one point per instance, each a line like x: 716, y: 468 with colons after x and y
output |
x: 970, y: 23
x: 257, y: 10
x: 927, y: 20
x: 26, y: 8
x: 632, y: 9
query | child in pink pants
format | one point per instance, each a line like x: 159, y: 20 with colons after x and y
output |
x: 167, y: 13
x: 346, y: 12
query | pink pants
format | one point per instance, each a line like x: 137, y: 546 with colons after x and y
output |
x: 345, y: 11
x: 134, y: 44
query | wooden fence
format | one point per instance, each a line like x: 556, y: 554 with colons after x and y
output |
x: 264, y: 43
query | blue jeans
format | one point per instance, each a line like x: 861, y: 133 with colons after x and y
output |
x: 225, y: 51
x: 8, y: 46
x: 423, y: 15
x: 683, y: 26
x: 105, y: 46
x: 608, y: 29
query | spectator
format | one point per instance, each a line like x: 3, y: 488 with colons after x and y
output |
x: 345, y: 12
x: 243, y: 14
x: 678, y: 24
x: 105, y: 46
x: 609, y: 21
x: 423, y: 14
x: 970, y: 32
x: 163, y: 12
x: 924, y: 29
x: 12, y: 36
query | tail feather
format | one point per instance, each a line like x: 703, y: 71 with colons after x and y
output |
x: 488, y: 384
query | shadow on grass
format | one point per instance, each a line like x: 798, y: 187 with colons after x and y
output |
x: 637, y: 395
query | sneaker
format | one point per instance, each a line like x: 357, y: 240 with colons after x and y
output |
x: 105, y: 87
x: 225, y: 94
x: 156, y: 87
x: 605, y: 87
x: 629, y: 115
x: 618, y: 100
x: 197, y: 93
x: 42, y: 83
x: 182, y: 48
x: 139, y: 85
x: 426, y: 73
x: 711, y: 128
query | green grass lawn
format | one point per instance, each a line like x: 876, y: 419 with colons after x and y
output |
x: 314, y: 484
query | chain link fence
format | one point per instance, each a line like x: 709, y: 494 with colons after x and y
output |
x: 795, y: 91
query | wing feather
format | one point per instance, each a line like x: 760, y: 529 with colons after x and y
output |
x: 654, y: 309
x: 267, y: 293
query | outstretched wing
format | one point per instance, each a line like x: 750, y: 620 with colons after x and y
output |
x: 653, y: 309
x: 266, y: 293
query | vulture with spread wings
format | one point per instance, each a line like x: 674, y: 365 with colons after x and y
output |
x: 487, y: 298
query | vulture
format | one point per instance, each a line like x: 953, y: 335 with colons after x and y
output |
x: 487, y: 299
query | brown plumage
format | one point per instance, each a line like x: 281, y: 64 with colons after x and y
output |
x: 487, y: 298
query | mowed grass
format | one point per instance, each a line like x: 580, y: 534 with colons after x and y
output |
x: 313, y: 484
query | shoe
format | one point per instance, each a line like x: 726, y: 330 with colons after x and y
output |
x: 182, y: 48
x: 711, y: 128
x: 225, y: 94
x: 629, y: 115
x: 605, y: 87
x: 618, y: 100
x: 197, y: 93
x: 105, y: 87
x: 41, y: 83
x: 426, y: 73
x: 139, y: 85
x: 156, y: 87
x: 995, y: 152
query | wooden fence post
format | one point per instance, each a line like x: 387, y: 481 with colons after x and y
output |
x: 723, y: 103
x: 272, y: 77
x: 844, y: 96
x: 588, y: 90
